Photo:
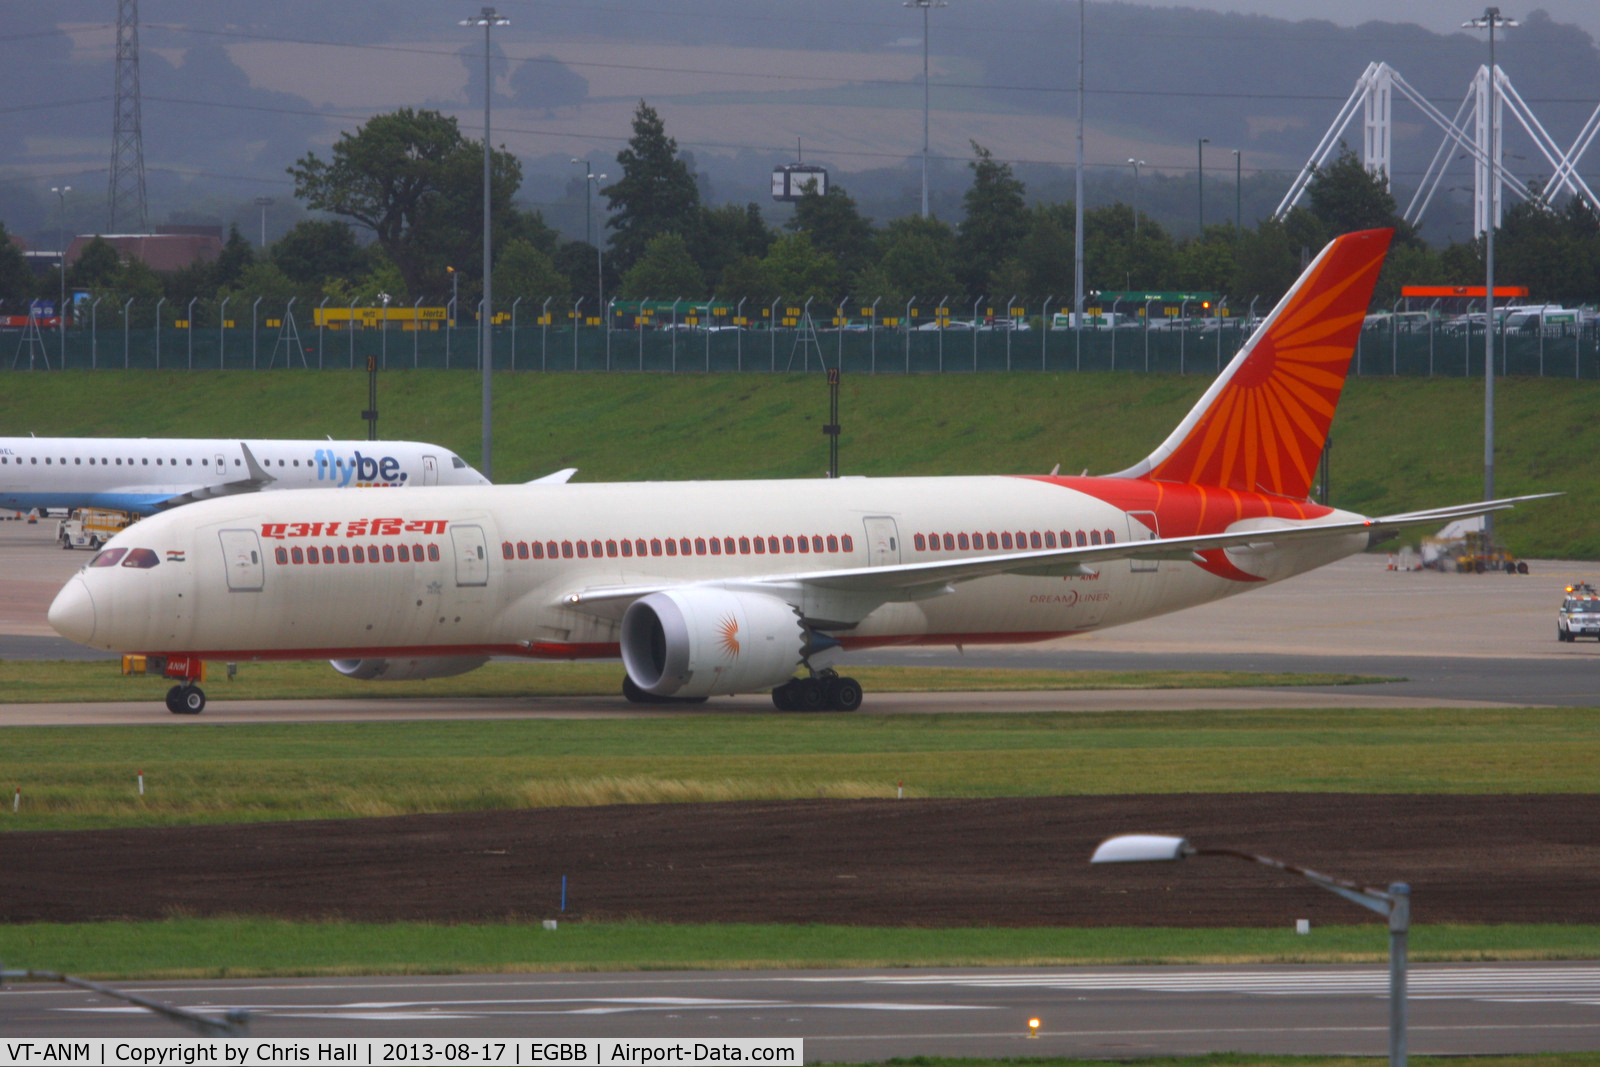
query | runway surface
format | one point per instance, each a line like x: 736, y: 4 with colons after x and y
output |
x: 876, y: 1014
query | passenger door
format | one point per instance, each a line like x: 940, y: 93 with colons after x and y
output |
x: 241, y: 554
x: 430, y: 470
x: 883, y: 541
x: 1142, y: 526
x: 472, y: 555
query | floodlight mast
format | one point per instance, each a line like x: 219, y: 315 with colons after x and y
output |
x: 488, y: 19
x: 1490, y: 20
x: 925, y: 5
x: 1393, y: 903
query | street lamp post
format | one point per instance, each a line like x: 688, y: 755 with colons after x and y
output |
x: 1238, y: 196
x: 1393, y: 903
x: 1135, y: 164
x: 264, y: 202
x: 591, y: 179
x: 488, y: 20
x: 61, y: 192
x: 1200, y: 182
x: 1077, y: 211
x: 1491, y: 20
x: 926, y: 6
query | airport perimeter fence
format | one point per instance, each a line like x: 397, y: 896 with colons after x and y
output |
x: 1396, y: 348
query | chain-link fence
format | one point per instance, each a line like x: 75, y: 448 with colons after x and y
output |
x: 118, y: 338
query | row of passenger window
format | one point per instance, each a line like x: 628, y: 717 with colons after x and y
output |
x: 357, y: 554
x: 683, y: 546
x: 1021, y: 539
x: 105, y: 462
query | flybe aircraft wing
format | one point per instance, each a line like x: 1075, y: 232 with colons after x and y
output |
x: 256, y: 478
x: 916, y: 581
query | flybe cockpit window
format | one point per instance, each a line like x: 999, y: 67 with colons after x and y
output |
x: 108, y: 558
x: 457, y: 462
x: 141, y: 558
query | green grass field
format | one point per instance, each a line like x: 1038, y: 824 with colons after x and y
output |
x: 233, y: 948
x: 35, y: 681
x: 198, y: 772
x: 1398, y: 444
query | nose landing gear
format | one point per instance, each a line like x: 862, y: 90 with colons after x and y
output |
x: 186, y: 699
x: 823, y: 691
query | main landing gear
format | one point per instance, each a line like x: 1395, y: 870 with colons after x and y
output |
x: 823, y: 691
x: 186, y: 699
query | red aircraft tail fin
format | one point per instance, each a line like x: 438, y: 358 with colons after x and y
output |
x: 1261, y: 426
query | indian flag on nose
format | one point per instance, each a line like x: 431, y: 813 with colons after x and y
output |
x: 174, y: 556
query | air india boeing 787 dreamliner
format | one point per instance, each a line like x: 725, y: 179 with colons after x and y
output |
x: 707, y: 588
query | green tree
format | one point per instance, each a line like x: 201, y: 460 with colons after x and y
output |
x: 1265, y: 265
x: 417, y: 184
x: 1346, y: 196
x: 1046, y: 254
x: 16, y: 281
x: 1207, y: 264
x: 836, y: 226
x: 96, y: 267
x: 996, y: 219
x: 728, y: 234
x: 665, y: 270
x: 522, y: 269
x: 917, y: 258
x: 316, y: 250
x: 236, y: 255
x: 796, y: 270
x: 657, y: 193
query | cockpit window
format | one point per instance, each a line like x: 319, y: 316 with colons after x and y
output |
x: 142, y: 558
x: 457, y: 462
x: 108, y: 558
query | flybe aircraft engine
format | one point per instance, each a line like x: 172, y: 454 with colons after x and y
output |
x: 407, y: 668
x: 697, y: 642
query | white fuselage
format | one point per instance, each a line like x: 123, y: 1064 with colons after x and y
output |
x: 142, y: 475
x: 233, y: 577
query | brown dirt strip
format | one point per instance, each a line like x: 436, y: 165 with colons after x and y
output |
x: 1009, y: 862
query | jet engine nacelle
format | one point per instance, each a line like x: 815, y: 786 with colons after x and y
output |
x: 407, y: 668
x: 699, y: 642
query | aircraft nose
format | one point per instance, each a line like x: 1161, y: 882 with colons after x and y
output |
x: 72, y: 612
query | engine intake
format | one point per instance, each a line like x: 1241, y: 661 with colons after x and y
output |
x: 701, y: 642
x: 407, y: 668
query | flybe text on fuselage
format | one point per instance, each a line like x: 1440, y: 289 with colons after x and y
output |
x: 357, y: 468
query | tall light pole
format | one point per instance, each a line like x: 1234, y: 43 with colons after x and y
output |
x: 1200, y: 182
x: 264, y: 202
x: 1135, y: 164
x: 1393, y: 903
x: 1491, y: 20
x: 925, y: 5
x: 488, y: 20
x: 1238, y: 195
x: 590, y: 178
x: 61, y: 192
x: 1077, y: 228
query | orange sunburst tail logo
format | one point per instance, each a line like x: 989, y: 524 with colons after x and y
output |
x: 1262, y: 425
x: 728, y: 636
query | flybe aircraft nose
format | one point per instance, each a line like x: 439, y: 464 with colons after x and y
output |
x: 72, y: 613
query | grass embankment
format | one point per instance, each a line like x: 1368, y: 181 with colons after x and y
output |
x: 1398, y: 444
x: 193, y: 948
x: 196, y: 772
x: 36, y: 681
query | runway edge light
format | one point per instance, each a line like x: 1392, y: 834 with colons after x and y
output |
x: 1033, y: 1027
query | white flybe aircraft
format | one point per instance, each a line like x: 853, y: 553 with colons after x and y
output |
x: 706, y: 588
x: 142, y: 475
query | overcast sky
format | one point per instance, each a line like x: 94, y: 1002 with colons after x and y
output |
x: 1440, y: 16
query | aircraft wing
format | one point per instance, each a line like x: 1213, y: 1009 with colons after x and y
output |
x: 256, y: 478
x: 560, y: 477
x: 917, y: 581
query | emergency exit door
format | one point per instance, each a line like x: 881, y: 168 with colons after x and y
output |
x: 883, y: 541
